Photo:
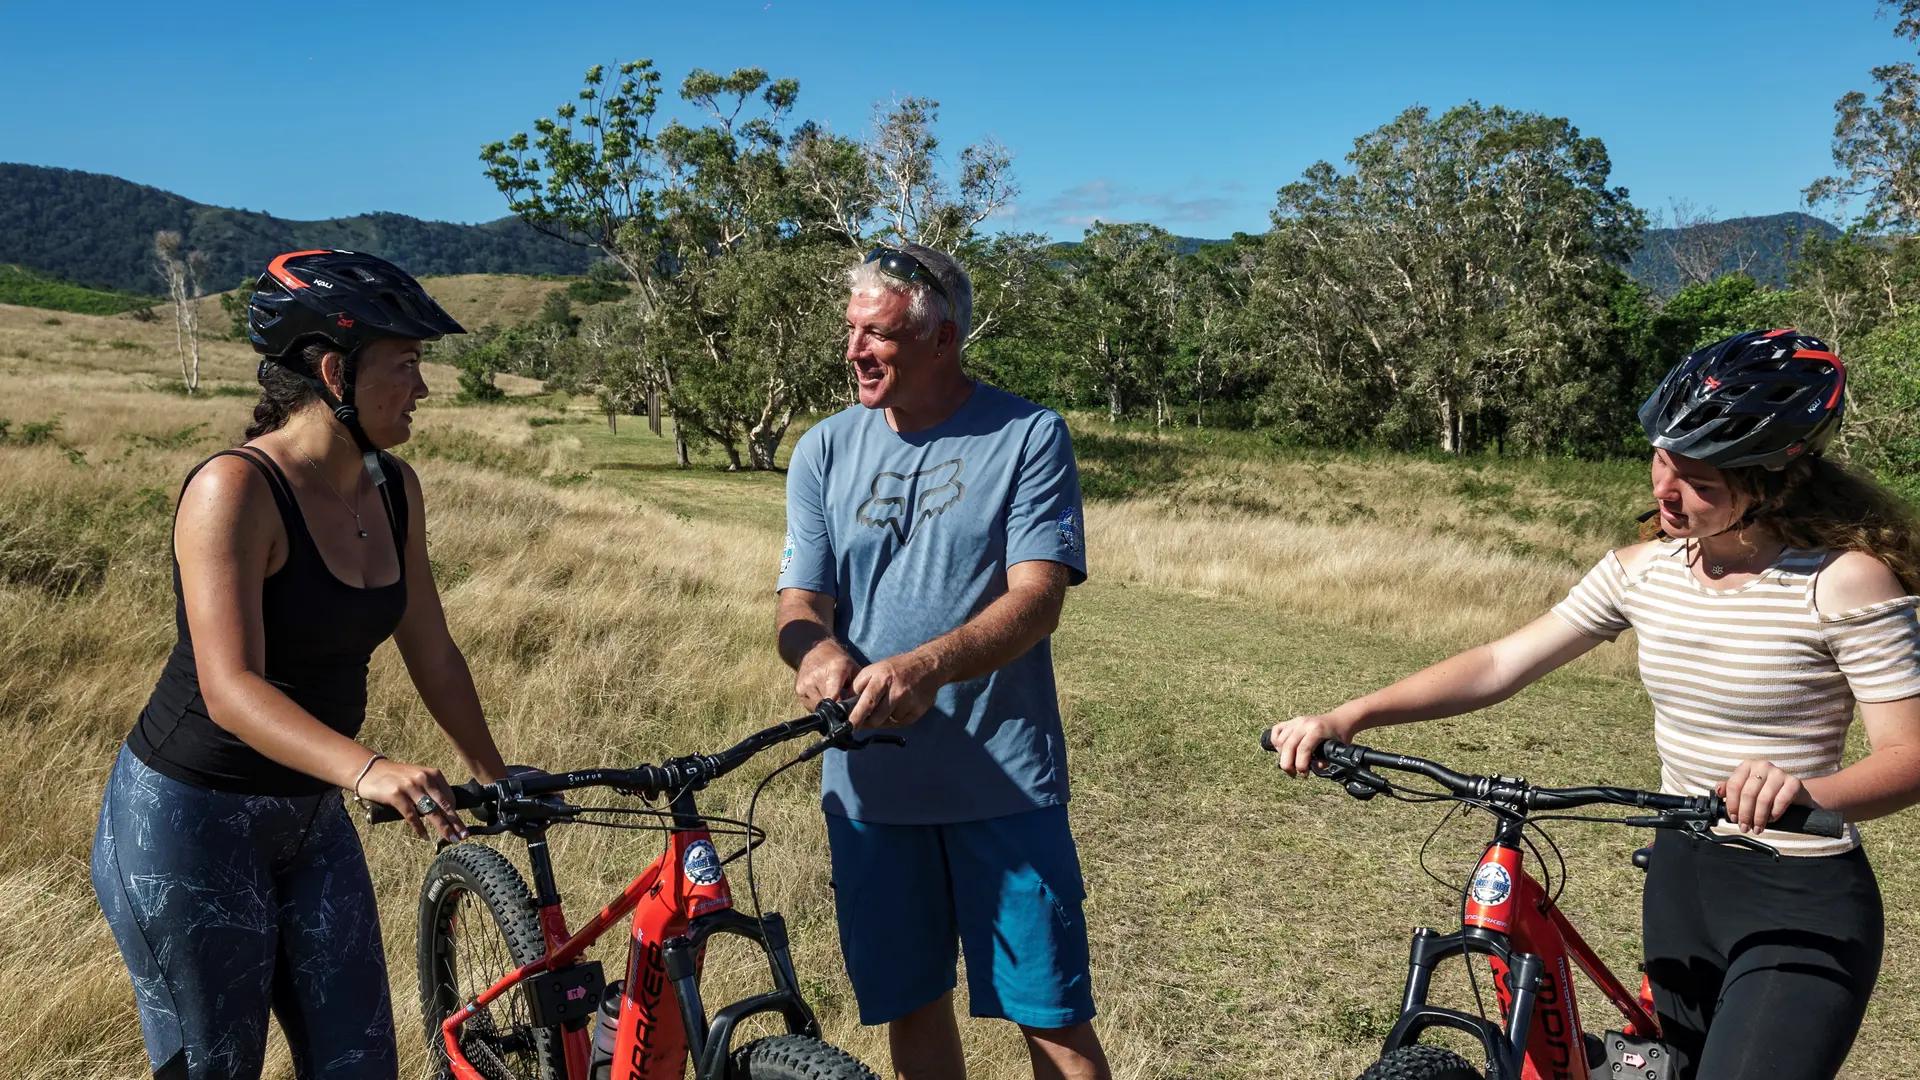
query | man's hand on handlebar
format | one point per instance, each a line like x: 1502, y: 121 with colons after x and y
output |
x: 1757, y: 794
x: 825, y: 674
x: 1296, y: 740
x: 896, y: 691
x: 401, y: 786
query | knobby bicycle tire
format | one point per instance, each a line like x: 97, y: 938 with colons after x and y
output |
x: 460, y: 954
x: 1422, y: 1063
x: 796, y: 1057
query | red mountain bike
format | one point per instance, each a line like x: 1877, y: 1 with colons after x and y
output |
x: 503, y: 990
x: 1510, y: 918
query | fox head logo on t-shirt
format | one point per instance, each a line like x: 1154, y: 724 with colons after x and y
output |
x: 887, y: 502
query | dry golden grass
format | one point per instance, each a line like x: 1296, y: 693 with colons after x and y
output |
x: 479, y: 300
x: 1242, y: 926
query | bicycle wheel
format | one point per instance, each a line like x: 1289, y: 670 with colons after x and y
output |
x: 477, y: 924
x: 1421, y: 1063
x: 796, y: 1057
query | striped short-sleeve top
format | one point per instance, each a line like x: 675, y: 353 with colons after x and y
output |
x: 1755, y: 672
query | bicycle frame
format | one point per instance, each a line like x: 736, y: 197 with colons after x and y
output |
x: 678, y: 902
x: 1532, y: 948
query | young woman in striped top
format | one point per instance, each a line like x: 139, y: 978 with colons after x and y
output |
x: 1773, y: 597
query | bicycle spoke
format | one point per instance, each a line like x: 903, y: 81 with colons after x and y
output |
x: 498, y: 1039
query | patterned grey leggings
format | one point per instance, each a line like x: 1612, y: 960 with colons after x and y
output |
x: 225, y: 905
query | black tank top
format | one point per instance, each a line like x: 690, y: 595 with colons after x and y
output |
x: 320, y: 633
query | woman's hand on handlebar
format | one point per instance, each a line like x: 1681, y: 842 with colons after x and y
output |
x: 1757, y: 793
x: 1295, y: 740
x: 401, y: 786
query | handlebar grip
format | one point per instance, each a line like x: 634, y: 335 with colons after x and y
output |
x: 1266, y: 739
x: 466, y: 796
x: 1812, y: 822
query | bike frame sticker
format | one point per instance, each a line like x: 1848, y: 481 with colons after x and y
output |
x: 702, y: 863
x: 1491, y: 884
x: 1490, y: 897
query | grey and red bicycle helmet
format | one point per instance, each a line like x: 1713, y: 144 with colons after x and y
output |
x: 344, y: 299
x: 1759, y: 398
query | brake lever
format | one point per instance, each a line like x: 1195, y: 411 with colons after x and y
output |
x: 1703, y: 830
x: 843, y: 739
x: 1747, y: 842
x: 1359, y: 781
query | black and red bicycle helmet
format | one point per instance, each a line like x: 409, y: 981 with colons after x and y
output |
x: 345, y: 299
x: 1759, y: 398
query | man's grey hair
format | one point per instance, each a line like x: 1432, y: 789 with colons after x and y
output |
x: 924, y: 305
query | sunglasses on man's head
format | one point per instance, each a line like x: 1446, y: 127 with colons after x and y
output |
x: 901, y: 266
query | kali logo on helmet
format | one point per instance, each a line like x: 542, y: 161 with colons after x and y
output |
x: 1491, y: 884
x: 1713, y: 383
x: 702, y: 863
x: 344, y: 321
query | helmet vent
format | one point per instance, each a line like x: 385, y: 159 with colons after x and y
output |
x: 1693, y: 420
x: 1783, y: 394
x: 401, y: 302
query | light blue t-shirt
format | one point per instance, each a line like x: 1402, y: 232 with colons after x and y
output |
x: 912, y: 534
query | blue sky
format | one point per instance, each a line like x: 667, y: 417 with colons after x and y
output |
x: 1187, y: 115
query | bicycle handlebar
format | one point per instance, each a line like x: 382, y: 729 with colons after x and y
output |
x: 1351, y: 760
x: 678, y: 774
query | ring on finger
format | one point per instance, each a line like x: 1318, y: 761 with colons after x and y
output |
x: 426, y: 805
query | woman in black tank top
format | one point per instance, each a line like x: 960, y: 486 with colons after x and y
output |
x: 224, y: 859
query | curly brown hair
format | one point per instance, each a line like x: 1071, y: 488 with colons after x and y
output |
x: 1819, y: 503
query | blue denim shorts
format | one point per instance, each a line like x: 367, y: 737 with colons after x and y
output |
x: 1007, y: 891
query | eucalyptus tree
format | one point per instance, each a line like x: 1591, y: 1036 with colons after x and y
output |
x: 1124, y: 292
x: 735, y: 229
x: 671, y: 207
x: 1876, y: 144
x: 1470, y: 257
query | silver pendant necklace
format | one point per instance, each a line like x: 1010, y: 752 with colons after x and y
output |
x: 361, y: 529
x: 1715, y: 570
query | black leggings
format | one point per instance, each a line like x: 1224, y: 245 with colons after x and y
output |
x: 226, y: 905
x: 1760, y: 968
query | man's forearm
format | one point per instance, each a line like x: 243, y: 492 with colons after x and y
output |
x: 801, y: 627
x: 994, y: 638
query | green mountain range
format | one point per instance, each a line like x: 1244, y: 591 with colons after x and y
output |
x: 98, y: 231
x: 1764, y: 247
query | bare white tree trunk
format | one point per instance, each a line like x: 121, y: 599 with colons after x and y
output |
x: 183, y: 286
x: 195, y: 262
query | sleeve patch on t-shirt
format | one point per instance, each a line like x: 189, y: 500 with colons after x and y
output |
x: 1073, y: 533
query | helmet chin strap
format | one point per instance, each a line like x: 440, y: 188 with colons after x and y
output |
x: 345, y: 411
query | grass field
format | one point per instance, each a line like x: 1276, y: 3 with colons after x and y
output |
x: 615, y: 609
x: 31, y: 288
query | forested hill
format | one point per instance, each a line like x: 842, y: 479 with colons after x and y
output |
x: 1765, y: 247
x: 98, y: 230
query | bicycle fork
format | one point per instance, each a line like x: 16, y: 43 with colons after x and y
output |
x: 1506, y: 1050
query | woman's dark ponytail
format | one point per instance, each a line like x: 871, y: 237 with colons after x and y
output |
x: 283, y: 392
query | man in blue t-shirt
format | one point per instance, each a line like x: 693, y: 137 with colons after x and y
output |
x: 932, y: 532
